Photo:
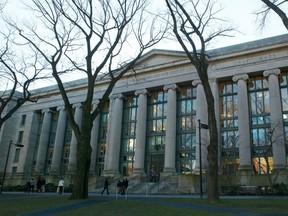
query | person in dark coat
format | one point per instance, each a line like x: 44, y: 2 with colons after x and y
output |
x: 106, y: 185
x: 125, y: 184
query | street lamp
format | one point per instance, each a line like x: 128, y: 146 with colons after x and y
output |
x: 204, y: 126
x: 11, y: 143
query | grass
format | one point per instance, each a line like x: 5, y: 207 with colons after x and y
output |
x: 27, y: 203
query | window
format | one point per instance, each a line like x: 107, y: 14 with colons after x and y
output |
x: 262, y: 156
x: 128, y: 135
x: 229, y: 128
x: 284, y: 97
x: 20, y: 137
x: 17, y: 154
x: 101, y: 147
x: 23, y: 120
x: 157, y: 111
x: 14, y: 171
x: 186, y: 130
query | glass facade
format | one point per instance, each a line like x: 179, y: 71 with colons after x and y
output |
x: 102, y: 139
x: 186, y: 130
x: 49, y: 158
x: 260, y: 126
x: 156, y: 130
x: 229, y: 128
x: 128, y: 135
x: 284, y: 98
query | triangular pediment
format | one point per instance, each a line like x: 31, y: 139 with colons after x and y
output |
x: 160, y: 57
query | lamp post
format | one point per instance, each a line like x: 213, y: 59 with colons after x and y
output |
x: 4, y: 174
x: 204, y: 126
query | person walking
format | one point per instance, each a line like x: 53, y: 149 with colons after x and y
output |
x: 126, y: 185
x: 61, y: 185
x: 106, y: 185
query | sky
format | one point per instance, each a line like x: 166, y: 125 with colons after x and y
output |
x: 239, y: 13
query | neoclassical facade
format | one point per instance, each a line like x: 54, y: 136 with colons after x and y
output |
x: 151, y: 122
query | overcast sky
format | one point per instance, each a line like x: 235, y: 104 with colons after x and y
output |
x: 241, y: 15
x: 237, y: 12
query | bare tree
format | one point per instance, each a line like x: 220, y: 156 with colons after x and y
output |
x: 18, y: 70
x: 275, y: 5
x: 193, y: 22
x: 273, y: 138
x: 90, y: 37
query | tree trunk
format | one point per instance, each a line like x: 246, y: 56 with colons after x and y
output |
x: 83, y: 161
x: 213, y: 192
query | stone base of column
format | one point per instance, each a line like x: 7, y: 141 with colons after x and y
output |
x: 244, y: 175
x: 168, y: 171
x: 111, y: 173
x: 54, y: 178
x: 280, y: 173
x: 138, y: 175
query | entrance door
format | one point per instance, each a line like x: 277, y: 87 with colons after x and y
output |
x: 156, y: 164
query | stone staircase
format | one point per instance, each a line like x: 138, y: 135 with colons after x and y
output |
x: 167, y: 185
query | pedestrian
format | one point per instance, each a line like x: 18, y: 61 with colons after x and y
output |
x: 27, y: 187
x: 38, y: 184
x: 152, y: 175
x: 43, y: 183
x: 106, y: 185
x: 61, y: 186
x: 125, y: 185
x: 32, y: 185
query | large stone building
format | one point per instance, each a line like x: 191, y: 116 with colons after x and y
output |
x: 151, y: 122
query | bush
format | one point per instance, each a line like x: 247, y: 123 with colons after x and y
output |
x: 50, y: 187
x: 280, y: 189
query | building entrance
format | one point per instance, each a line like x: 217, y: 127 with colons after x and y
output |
x: 156, y: 166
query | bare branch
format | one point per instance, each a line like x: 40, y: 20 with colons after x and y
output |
x: 276, y: 6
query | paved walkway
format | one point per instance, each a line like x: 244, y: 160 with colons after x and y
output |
x: 151, y: 199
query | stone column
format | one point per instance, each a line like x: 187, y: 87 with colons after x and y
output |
x: 43, y: 141
x: 202, y: 114
x: 140, y: 132
x: 170, y: 137
x: 277, y: 132
x: 243, y: 122
x: 59, y: 141
x: 109, y: 126
x: 73, y: 145
x: 94, y: 142
x: 115, y: 139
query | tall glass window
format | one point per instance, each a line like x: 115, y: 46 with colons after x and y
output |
x: 157, y: 112
x: 102, y: 140
x: 128, y: 135
x: 156, y: 130
x: 284, y: 97
x: 229, y: 128
x: 53, y: 130
x: 66, y: 148
x: 260, y: 125
x: 186, y: 131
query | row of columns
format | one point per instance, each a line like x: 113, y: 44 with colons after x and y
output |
x: 278, y: 146
x: 113, y: 149
x: 114, y: 134
x: 111, y: 166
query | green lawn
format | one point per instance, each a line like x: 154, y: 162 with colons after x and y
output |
x: 20, y: 204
